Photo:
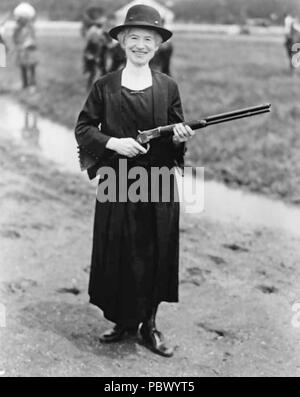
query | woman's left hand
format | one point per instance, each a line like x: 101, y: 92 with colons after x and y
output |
x: 182, y: 133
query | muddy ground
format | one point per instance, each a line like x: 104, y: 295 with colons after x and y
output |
x: 238, y: 285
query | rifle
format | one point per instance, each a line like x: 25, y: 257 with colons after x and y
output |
x: 144, y: 137
x: 87, y: 160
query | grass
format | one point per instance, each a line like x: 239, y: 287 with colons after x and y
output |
x: 214, y: 75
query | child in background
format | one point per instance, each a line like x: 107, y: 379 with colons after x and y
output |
x: 25, y: 43
x: 3, y: 41
x: 2, y: 34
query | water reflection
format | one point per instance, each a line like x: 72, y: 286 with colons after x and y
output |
x: 30, y: 131
x: 52, y: 140
x: 221, y: 204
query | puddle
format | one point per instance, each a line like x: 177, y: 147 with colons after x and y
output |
x: 225, y: 204
x: 54, y: 141
x: 220, y: 203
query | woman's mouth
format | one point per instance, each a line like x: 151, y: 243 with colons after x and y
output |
x: 139, y: 52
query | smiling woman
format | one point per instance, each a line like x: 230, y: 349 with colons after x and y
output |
x: 136, y: 244
x: 139, y: 45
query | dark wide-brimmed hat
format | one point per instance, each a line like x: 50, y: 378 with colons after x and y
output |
x: 142, y: 16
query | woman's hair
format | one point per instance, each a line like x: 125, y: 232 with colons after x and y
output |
x: 124, y: 33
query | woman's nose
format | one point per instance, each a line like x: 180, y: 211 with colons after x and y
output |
x: 140, y: 43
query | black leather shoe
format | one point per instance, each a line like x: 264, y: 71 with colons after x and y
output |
x: 117, y: 333
x: 154, y: 340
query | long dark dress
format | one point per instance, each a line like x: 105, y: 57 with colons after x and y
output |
x: 135, y: 245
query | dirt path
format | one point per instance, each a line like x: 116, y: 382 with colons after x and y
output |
x: 237, y: 287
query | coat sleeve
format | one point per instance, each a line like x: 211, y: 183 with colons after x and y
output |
x: 175, y: 115
x: 91, y: 141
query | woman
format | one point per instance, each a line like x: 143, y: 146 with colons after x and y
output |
x: 135, y: 244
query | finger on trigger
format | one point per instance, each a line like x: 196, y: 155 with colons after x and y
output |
x: 140, y: 148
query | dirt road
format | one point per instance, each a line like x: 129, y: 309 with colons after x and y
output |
x: 238, y: 284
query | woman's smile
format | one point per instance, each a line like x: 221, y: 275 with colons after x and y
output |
x: 140, y: 52
x: 140, y: 44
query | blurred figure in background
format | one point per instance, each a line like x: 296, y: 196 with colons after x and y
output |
x: 3, y: 48
x: 115, y: 57
x: 162, y: 58
x: 289, y: 22
x: 3, y: 30
x: 30, y: 130
x: 24, y: 39
x: 2, y: 35
x: 95, y: 44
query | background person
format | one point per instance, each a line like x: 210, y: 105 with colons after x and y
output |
x: 135, y: 252
x: 162, y: 58
x: 24, y: 39
x: 94, y: 52
x: 3, y: 48
x: 3, y: 30
x: 289, y: 37
x: 115, y: 55
x: 92, y: 30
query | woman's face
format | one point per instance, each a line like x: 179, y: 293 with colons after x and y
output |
x: 140, y: 45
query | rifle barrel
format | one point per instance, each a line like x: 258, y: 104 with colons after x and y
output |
x: 236, y: 117
x: 239, y: 112
x: 166, y: 130
x: 229, y: 116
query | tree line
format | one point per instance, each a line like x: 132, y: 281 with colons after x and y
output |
x: 205, y: 11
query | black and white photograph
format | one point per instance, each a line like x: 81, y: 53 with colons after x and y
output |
x: 149, y: 191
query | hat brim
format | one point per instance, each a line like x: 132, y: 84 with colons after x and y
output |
x: 164, y: 33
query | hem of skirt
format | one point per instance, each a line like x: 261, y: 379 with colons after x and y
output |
x: 114, y: 320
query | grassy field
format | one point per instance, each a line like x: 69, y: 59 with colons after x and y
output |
x: 214, y: 75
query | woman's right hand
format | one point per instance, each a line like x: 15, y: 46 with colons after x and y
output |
x: 128, y: 147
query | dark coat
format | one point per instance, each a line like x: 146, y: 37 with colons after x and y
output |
x: 135, y: 253
x: 103, y: 107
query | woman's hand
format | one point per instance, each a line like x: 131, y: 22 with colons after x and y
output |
x: 125, y: 146
x: 182, y: 133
